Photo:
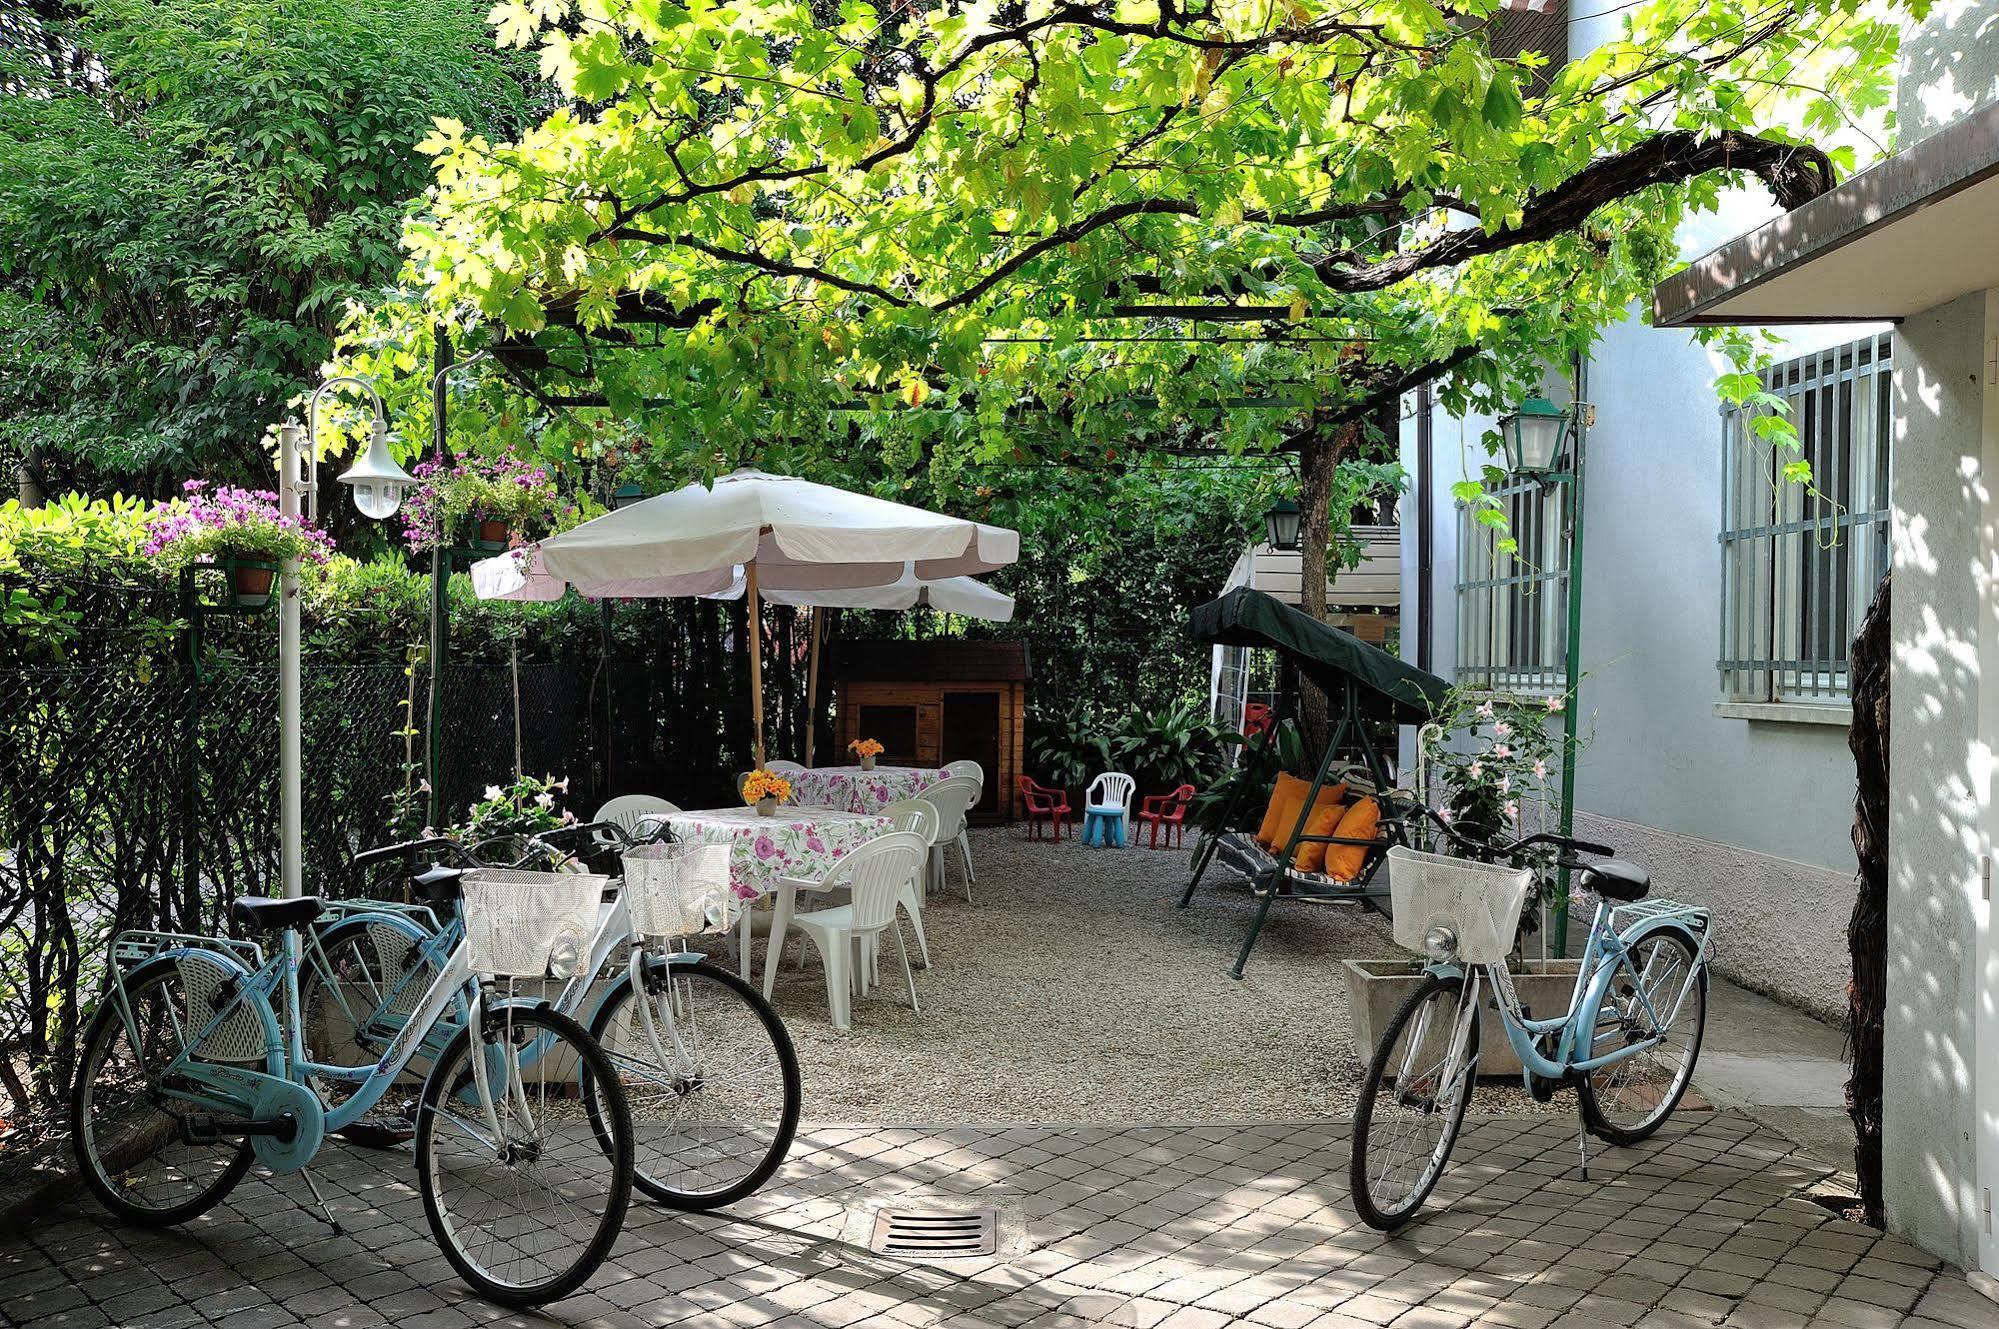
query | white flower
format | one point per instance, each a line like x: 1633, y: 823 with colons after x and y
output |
x: 430, y: 832
x: 568, y: 817
x: 1502, y: 729
x: 1513, y: 811
x: 1444, y: 816
x: 1477, y: 769
x: 1540, y: 770
x: 1554, y: 705
x: 1505, y: 784
x: 1501, y: 751
x: 560, y: 786
x: 423, y: 785
x: 544, y: 800
x: 494, y: 791
x: 1485, y: 710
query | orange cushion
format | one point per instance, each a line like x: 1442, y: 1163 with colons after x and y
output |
x: 1282, y: 817
x: 1290, y: 791
x: 1344, y: 861
x: 1325, y: 820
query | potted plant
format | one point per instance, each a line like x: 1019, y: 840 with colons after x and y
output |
x: 240, y: 531
x: 496, y: 501
x: 764, y: 790
x: 525, y: 807
x: 867, y: 749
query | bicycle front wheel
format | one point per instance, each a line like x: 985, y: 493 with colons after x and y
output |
x: 133, y: 1142
x: 1412, y: 1102
x: 526, y: 1202
x: 1628, y: 1100
x: 712, y: 1079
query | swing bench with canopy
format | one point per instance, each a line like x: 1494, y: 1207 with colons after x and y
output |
x: 1364, y: 685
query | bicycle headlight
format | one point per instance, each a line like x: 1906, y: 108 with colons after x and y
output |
x: 1440, y: 944
x: 562, y: 958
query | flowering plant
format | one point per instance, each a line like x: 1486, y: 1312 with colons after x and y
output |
x: 761, y: 784
x: 1502, y: 752
x: 204, y: 522
x: 525, y: 807
x: 490, y: 489
x: 865, y: 747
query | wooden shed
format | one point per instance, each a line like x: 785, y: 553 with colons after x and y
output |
x: 932, y: 702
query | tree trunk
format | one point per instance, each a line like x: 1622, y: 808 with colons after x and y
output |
x: 1867, y: 931
x: 1319, y: 460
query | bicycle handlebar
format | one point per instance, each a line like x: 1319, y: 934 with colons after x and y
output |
x: 411, y: 848
x: 1566, y: 844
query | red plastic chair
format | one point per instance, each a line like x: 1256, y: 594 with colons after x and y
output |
x: 1042, y: 802
x: 1168, y: 810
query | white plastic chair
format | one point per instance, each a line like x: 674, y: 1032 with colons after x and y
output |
x: 1112, y: 789
x: 918, y: 816
x: 785, y: 768
x: 971, y: 770
x: 952, y: 796
x: 628, y: 812
x: 877, y: 873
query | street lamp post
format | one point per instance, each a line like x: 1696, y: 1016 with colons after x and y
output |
x: 378, y: 485
x: 1532, y: 438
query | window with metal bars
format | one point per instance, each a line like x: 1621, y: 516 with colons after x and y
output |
x: 1799, y: 561
x: 1513, y: 606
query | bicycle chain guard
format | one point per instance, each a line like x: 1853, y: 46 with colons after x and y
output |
x: 274, y: 1098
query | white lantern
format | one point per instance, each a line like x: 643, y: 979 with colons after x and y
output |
x: 377, y: 481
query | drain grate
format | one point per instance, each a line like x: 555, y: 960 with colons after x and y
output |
x: 936, y: 1233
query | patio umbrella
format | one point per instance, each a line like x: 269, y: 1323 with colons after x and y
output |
x: 786, y: 536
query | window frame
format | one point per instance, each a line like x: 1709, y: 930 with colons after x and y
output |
x: 1519, y: 597
x: 1799, y: 567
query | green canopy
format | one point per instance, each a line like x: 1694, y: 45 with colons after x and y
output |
x: 1386, y: 688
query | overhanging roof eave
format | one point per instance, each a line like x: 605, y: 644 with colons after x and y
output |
x: 1951, y: 160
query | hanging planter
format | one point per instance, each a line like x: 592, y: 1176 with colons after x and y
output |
x: 487, y: 503
x: 250, y: 582
x: 239, y: 532
x: 492, y: 534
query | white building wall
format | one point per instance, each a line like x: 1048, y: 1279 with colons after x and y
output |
x: 1749, y: 817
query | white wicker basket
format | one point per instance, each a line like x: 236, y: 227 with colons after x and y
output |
x: 1480, y: 902
x: 515, y: 921
x: 680, y: 890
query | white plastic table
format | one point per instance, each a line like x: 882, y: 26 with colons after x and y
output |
x: 797, y: 842
x: 857, y: 790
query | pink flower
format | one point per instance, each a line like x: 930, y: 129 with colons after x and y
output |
x: 1502, y: 729
x: 764, y: 847
x: 814, y: 843
x: 1540, y: 770
x: 1501, y: 751
x: 1555, y: 705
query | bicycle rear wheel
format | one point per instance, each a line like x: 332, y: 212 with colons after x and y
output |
x: 132, y: 1143
x: 527, y: 1215
x: 1412, y: 1102
x: 1628, y: 1100
x: 714, y: 1109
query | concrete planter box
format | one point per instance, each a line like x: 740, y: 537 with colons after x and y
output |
x: 1376, y: 989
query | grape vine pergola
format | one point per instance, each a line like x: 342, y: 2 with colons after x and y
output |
x: 954, y: 233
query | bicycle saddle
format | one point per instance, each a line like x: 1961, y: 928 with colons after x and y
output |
x: 264, y: 913
x: 438, y: 883
x: 1615, y: 879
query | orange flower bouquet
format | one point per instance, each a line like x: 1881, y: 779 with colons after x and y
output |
x: 867, y: 749
x: 764, y: 790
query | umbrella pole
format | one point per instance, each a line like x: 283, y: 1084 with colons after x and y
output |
x: 812, y: 688
x: 756, y: 662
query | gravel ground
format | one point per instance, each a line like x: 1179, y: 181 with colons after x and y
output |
x: 1072, y: 990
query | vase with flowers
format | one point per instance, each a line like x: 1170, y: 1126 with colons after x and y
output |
x: 240, y: 531
x: 867, y: 749
x: 764, y: 790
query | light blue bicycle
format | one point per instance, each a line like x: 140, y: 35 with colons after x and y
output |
x: 1627, y: 1042
x: 197, y: 1064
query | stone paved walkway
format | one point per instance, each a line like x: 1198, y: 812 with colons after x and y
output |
x: 1188, y: 1227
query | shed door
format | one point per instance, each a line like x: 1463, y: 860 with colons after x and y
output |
x: 972, y: 733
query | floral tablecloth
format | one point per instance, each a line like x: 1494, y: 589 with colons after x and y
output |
x: 797, y: 842
x: 857, y: 790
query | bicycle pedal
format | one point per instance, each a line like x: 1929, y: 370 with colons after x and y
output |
x: 378, y: 1132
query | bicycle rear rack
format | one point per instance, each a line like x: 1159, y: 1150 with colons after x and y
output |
x: 422, y: 914
x: 1694, y: 916
x: 134, y: 948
